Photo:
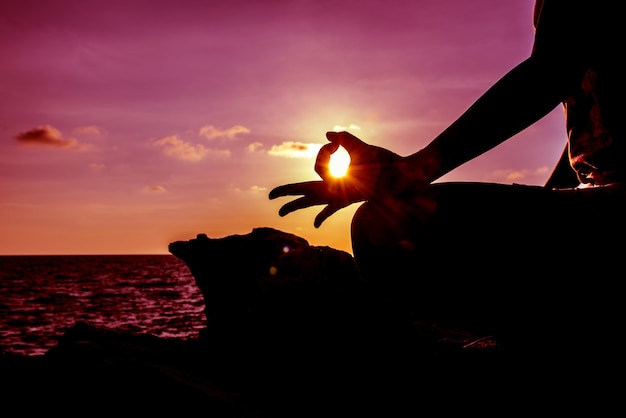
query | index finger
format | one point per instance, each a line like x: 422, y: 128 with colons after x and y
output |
x: 350, y: 142
x: 294, y: 189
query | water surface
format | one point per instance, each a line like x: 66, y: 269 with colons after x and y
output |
x: 42, y: 296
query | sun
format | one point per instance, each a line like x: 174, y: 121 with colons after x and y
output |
x: 339, y: 162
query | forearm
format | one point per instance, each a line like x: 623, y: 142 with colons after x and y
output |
x: 517, y: 100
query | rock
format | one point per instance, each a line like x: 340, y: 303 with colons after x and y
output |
x: 277, y: 306
x: 227, y: 271
x: 274, y: 286
x: 292, y: 330
x: 96, y: 370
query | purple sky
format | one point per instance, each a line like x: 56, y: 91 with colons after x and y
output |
x: 127, y: 125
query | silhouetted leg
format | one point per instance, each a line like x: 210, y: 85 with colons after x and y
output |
x: 386, y: 237
x: 496, y: 258
x: 538, y: 269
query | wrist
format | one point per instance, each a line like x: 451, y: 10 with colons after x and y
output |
x: 420, y: 168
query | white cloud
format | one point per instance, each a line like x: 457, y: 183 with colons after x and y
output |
x: 88, y: 130
x: 258, y: 189
x: 255, y: 146
x: 291, y: 149
x: 174, y: 147
x: 253, y: 189
x: 351, y: 127
x: 515, y: 176
x: 210, y: 132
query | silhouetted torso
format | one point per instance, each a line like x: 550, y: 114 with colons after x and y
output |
x: 595, y: 110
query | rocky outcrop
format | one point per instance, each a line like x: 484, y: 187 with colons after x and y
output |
x: 292, y: 330
x: 263, y: 278
x: 229, y: 272
x: 100, y: 371
x: 301, y: 314
x: 271, y: 288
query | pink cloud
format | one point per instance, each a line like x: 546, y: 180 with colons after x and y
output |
x: 89, y: 130
x: 175, y: 147
x: 48, y: 136
x: 255, y: 146
x: 211, y: 132
x: 96, y: 166
x: 291, y: 149
x: 155, y: 189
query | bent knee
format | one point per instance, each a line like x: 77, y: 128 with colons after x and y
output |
x: 369, y: 223
x: 375, y: 225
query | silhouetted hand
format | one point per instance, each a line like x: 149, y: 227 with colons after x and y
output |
x: 373, y: 173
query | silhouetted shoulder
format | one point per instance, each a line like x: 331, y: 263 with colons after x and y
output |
x: 565, y: 26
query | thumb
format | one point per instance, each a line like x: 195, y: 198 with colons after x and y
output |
x: 322, y: 161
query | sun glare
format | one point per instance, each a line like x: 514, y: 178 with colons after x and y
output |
x: 339, y: 162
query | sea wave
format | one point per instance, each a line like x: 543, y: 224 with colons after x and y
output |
x: 42, y: 296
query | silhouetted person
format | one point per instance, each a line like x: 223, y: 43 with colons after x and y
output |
x: 522, y: 262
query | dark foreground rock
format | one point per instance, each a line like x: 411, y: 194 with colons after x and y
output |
x: 94, y: 370
x: 293, y: 331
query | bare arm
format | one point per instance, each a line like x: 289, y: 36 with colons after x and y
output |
x: 523, y: 96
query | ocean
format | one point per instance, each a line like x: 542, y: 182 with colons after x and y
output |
x: 42, y: 296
